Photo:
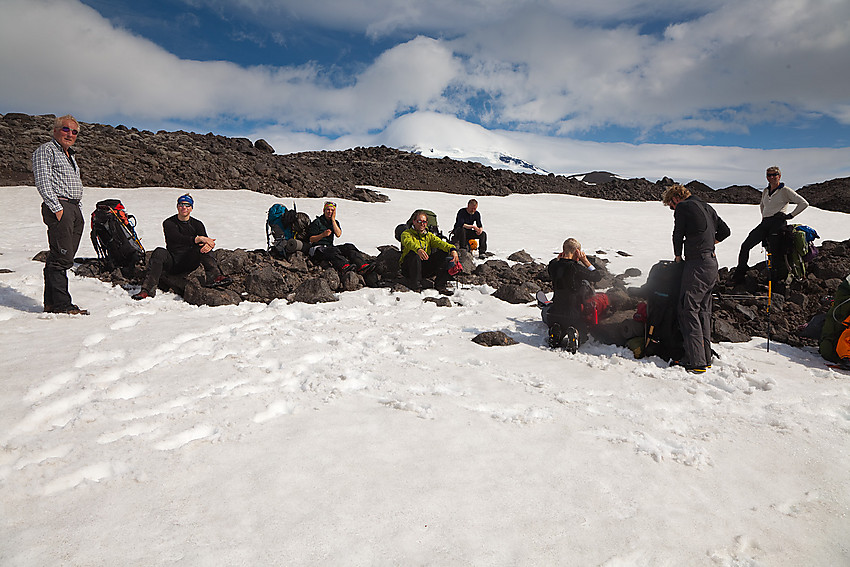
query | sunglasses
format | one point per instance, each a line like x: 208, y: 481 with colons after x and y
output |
x: 184, y: 205
x: 66, y: 129
x: 773, y: 175
x: 422, y: 222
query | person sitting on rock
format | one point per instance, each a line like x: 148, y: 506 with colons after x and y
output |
x: 424, y: 254
x: 468, y: 227
x: 344, y: 257
x: 187, y: 246
x: 570, y: 272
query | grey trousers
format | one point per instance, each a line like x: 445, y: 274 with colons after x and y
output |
x: 698, y: 280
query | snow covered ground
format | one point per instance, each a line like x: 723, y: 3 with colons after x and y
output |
x: 372, y: 431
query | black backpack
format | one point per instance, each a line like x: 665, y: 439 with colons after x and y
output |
x: 113, y: 235
x: 663, y: 336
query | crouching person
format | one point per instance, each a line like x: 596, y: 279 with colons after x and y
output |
x: 187, y: 246
x: 570, y: 272
x: 424, y: 255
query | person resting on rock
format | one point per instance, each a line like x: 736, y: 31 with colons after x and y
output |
x: 468, y: 227
x: 343, y: 257
x: 424, y: 254
x: 570, y: 272
x: 187, y: 246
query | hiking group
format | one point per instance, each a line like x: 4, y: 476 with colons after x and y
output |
x: 429, y: 260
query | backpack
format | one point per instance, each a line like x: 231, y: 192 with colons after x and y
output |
x: 114, y: 237
x: 799, y: 248
x: 663, y: 336
x: 595, y: 307
x: 836, y: 324
x: 283, y: 225
x: 432, y: 224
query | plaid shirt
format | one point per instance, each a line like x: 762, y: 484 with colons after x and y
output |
x: 56, y: 174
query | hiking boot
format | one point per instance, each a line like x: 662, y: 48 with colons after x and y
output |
x: 571, y: 340
x: 69, y: 310
x: 444, y: 290
x: 556, y: 335
x: 844, y: 364
x: 366, y: 269
x: 739, y: 275
x: 696, y: 369
x: 220, y: 281
x: 141, y: 295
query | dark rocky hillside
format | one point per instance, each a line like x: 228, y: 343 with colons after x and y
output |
x: 126, y: 157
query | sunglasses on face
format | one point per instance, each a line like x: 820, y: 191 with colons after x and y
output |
x: 67, y: 129
x: 773, y: 175
x: 422, y: 222
x: 184, y: 205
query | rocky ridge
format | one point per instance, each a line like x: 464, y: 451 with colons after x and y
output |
x: 127, y: 157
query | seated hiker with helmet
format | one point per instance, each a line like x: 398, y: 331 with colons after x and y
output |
x: 468, y: 228
x: 187, y: 246
x: 424, y: 254
x: 571, y: 274
x: 344, y: 257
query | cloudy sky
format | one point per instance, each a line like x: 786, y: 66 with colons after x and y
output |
x: 715, y: 90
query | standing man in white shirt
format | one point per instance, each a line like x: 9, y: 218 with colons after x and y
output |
x: 57, y: 179
x: 775, y: 200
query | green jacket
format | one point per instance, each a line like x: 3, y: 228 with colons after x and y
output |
x: 412, y: 240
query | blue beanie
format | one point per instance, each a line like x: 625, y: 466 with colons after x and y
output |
x: 186, y: 199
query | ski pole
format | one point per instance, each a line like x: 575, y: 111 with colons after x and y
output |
x: 769, y: 296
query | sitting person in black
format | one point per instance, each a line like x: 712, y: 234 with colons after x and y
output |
x: 187, y: 246
x: 570, y: 272
x: 468, y: 227
x: 342, y: 257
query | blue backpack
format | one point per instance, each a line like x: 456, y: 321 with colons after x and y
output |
x: 279, y: 222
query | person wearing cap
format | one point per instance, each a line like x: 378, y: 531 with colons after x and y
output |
x: 187, y: 246
x: 57, y: 178
x: 696, y: 230
x: 424, y: 254
x: 343, y: 257
x: 775, y: 200
x: 468, y: 227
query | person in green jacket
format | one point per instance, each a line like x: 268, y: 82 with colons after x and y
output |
x: 424, y: 254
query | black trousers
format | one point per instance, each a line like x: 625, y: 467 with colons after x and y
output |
x: 63, y: 238
x: 414, y: 268
x: 163, y: 261
x: 698, y: 279
x: 464, y: 235
x: 340, y: 255
x: 765, y: 229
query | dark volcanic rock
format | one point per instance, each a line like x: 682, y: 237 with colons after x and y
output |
x: 127, y: 157
x: 493, y: 338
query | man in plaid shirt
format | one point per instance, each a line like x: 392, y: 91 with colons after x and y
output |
x: 57, y: 179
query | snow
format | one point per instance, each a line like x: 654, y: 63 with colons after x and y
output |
x: 372, y: 431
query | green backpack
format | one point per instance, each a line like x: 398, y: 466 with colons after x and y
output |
x: 835, y: 322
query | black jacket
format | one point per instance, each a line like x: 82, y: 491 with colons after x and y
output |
x: 696, y: 227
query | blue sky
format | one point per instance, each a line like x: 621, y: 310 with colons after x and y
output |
x: 672, y: 76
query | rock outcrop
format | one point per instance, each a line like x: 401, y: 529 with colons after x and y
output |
x: 127, y: 157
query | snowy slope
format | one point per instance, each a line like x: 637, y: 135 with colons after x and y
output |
x: 372, y: 431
